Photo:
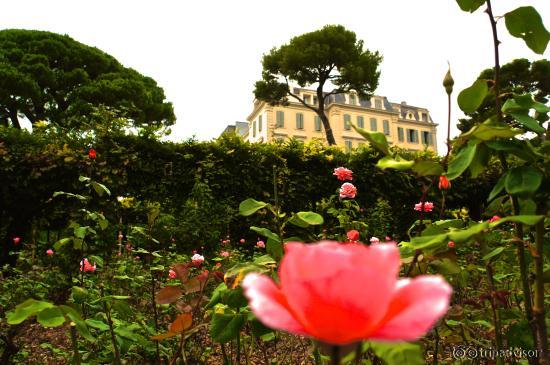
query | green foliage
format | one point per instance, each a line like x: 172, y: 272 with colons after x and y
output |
x: 471, y: 98
x: 525, y: 22
x: 60, y: 80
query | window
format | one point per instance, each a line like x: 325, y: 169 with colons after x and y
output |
x: 317, y: 123
x: 260, y: 123
x: 412, y: 135
x: 352, y: 99
x: 280, y: 123
x: 400, y: 134
x: 307, y: 99
x: 424, y: 117
x: 360, y: 122
x: 299, y: 121
x: 347, y: 122
x: 314, y: 100
x: 378, y: 103
x: 349, y: 145
x: 254, y: 129
x: 386, y: 126
x: 373, y: 124
x: 427, y: 138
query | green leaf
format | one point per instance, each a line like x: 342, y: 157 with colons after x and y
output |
x: 521, y: 148
x: 499, y: 186
x: 471, y: 98
x: 80, y: 232
x: 226, y: 327
x: 490, y: 130
x: 427, y: 168
x: 462, y: 160
x: 216, y: 295
x: 470, y: 5
x: 274, y: 249
x: 398, y: 163
x: 62, y: 242
x: 526, y: 23
x: 311, y: 218
x: 81, y: 326
x: 398, y: 353
x: 100, y: 189
x: 480, y: 160
x: 51, y: 317
x: 523, y: 180
x: 28, y: 308
x: 100, y: 325
x: 531, y: 123
x: 439, y: 227
x: 529, y: 220
x: 376, y: 139
x: 234, y: 298
x: 497, y: 251
x: 266, y: 233
x: 79, y: 294
x: 446, y: 267
x: 250, y: 206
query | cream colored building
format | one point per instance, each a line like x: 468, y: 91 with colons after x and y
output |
x: 404, y: 125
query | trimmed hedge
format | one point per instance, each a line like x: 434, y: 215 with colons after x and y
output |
x: 33, y: 166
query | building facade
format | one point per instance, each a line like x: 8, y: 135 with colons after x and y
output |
x: 404, y: 125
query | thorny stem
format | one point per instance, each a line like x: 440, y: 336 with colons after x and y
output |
x: 496, y: 316
x: 514, y: 200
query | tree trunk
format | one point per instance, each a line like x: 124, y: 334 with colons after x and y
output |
x: 14, y: 119
x: 321, y: 113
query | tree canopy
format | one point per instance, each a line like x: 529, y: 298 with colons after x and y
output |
x: 331, y: 55
x: 50, y: 77
x: 519, y: 76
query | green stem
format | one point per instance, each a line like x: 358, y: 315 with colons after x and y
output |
x: 74, y: 341
x: 317, y: 356
x: 111, y: 328
x: 335, y: 355
x: 496, y: 316
x: 539, y: 311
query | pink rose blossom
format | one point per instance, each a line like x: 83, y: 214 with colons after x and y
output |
x: 353, y: 235
x: 260, y: 244
x: 86, y: 266
x: 343, y: 174
x: 348, y: 190
x: 340, y: 294
x: 224, y: 254
x: 172, y: 274
x: 494, y: 219
x: 374, y: 240
x: 428, y: 206
x: 451, y: 244
x: 16, y: 240
x: 49, y: 252
x: 197, y: 259
x: 242, y: 240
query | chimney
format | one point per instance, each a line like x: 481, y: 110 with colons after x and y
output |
x: 403, y: 103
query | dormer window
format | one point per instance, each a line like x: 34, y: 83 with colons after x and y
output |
x: 307, y: 99
x: 378, y: 103
x: 410, y: 116
x: 314, y: 100
x: 353, y: 100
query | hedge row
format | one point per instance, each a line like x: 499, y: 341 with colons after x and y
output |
x: 33, y: 166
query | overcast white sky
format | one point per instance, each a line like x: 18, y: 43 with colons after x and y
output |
x: 207, y: 54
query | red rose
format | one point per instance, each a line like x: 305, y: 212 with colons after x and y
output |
x: 353, y: 235
x: 92, y: 154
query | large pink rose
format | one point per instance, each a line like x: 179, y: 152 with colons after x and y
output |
x: 348, y: 190
x: 341, y: 294
x: 343, y: 174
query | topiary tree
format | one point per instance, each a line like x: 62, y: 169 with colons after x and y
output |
x: 329, y: 55
x: 51, y: 77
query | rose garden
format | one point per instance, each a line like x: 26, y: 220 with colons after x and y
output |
x: 122, y: 248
